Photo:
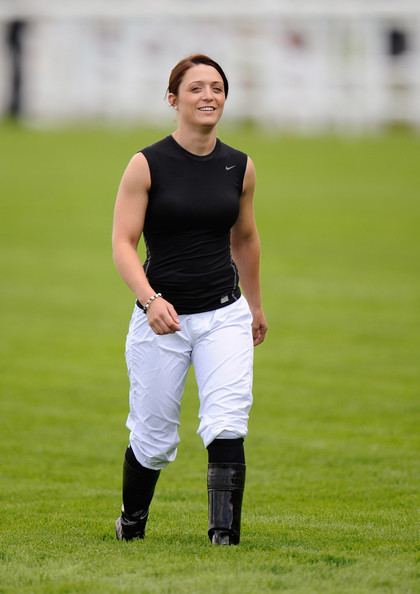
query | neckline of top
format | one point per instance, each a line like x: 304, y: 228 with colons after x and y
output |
x: 193, y: 155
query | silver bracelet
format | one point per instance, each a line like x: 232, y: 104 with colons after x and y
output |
x: 150, y: 301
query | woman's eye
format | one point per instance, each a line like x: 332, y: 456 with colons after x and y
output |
x: 217, y: 90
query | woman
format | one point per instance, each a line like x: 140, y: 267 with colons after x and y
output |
x: 192, y: 197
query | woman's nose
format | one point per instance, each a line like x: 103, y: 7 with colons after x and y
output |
x: 207, y: 93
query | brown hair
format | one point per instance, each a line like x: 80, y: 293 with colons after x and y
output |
x: 178, y: 71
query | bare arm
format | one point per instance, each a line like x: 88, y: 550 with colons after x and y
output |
x: 129, y: 215
x: 246, y: 254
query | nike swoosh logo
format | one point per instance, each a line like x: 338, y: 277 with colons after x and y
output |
x: 228, y: 168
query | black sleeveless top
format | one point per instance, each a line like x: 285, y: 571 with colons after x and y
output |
x: 193, y: 203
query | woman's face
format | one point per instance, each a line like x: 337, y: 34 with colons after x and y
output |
x: 201, y: 96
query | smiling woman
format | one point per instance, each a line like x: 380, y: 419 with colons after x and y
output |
x: 191, y: 196
x: 197, y: 86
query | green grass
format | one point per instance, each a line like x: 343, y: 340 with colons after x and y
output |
x: 331, y: 501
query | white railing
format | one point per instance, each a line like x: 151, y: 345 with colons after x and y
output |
x: 302, y: 64
x: 244, y: 9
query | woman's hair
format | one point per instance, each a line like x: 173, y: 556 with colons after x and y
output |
x: 178, y: 71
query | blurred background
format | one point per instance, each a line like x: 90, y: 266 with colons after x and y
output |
x: 307, y: 65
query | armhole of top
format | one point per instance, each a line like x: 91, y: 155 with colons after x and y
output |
x: 148, y: 161
x: 243, y: 172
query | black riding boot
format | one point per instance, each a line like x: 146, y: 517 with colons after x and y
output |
x: 225, y: 482
x: 138, y: 488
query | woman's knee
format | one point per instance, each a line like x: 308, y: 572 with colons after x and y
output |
x: 153, y: 457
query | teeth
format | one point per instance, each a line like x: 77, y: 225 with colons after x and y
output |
x: 206, y: 108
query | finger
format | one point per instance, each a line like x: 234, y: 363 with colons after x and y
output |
x: 164, y: 316
x: 169, y: 323
x: 259, y: 335
x: 255, y: 332
x: 159, y: 327
x: 162, y: 332
x: 169, y: 319
x: 172, y: 324
x: 172, y: 313
x: 255, y: 336
x: 156, y: 329
x: 166, y: 324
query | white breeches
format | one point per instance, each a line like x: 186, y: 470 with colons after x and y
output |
x: 219, y: 345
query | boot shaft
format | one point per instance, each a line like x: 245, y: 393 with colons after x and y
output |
x: 225, y: 483
x: 138, y: 489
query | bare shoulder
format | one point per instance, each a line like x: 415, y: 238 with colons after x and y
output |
x: 137, y: 174
x: 249, y: 177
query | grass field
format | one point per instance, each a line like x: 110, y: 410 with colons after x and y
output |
x: 331, y: 501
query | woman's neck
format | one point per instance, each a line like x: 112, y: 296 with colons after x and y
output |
x: 198, y: 142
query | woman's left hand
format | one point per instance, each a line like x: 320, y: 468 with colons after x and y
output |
x: 259, y: 326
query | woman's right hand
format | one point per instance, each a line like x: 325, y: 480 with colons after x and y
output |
x: 162, y: 317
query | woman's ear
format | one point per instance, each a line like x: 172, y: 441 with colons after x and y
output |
x: 172, y: 100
